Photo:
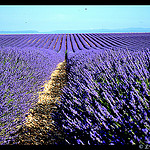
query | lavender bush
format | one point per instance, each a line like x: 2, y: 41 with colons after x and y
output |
x: 107, y: 97
x: 22, y: 74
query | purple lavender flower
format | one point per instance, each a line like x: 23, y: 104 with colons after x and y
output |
x: 20, y: 79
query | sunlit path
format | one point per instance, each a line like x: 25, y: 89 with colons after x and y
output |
x: 39, y: 128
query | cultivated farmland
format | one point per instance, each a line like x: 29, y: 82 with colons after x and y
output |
x: 105, y: 95
x: 76, y: 42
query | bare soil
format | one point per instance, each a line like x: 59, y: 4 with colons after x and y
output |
x: 39, y: 127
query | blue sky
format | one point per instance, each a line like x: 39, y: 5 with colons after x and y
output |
x: 45, y: 18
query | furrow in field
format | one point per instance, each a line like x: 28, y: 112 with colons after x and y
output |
x: 39, y: 121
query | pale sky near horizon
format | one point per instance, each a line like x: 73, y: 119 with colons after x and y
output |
x: 45, y: 18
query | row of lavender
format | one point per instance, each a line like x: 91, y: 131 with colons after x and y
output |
x: 76, y: 42
x: 22, y: 74
x: 107, y: 97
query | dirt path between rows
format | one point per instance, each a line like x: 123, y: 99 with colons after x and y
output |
x: 39, y: 127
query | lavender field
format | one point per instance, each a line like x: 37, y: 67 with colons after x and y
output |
x: 77, y: 42
x: 106, y: 99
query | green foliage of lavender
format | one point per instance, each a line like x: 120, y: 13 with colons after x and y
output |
x: 107, y: 97
x: 22, y: 74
